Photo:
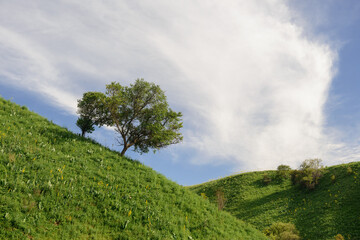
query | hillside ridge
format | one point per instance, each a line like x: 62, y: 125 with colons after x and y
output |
x: 331, y: 208
x: 55, y: 184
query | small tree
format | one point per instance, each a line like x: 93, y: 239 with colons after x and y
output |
x: 311, y: 164
x: 311, y: 170
x: 91, y: 111
x: 85, y: 124
x: 93, y: 106
x: 283, y: 171
x: 140, y: 114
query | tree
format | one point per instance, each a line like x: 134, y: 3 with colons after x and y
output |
x: 283, y: 171
x: 85, y: 124
x: 139, y: 113
x: 311, y: 170
x: 89, y: 108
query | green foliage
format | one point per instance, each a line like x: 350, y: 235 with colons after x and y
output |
x: 311, y: 164
x: 318, y: 215
x: 349, y: 170
x: 282, y: 231
x: 93, y: 106
x: 57, y: 185
x: 139, y: 113
x: 311, y: 170
x: 283, y: 171
x: 85, y: 124
x: 339, y: 237
x: 203, y: 195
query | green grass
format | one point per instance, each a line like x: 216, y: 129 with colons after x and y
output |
x: 57, y: 185
x: 332, y: 208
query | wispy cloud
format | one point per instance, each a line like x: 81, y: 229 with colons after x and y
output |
x: 251, y: 85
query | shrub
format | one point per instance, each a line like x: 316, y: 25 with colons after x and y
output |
x: 266, y: 179
x: 339, y: 237
x: 311, y: 164
x: 203, y: 195
x: 311, y: 170
x: 288, y: 236
x: 283, y: 171
x: 295, y: 177
x: 349, y: 170
x: 282, y: 231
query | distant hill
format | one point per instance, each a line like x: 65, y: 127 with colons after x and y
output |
x: 57, y: 185
x: 330, y: 209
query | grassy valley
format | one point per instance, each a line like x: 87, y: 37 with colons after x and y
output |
x: 332, y: 208
x: 57, y: 185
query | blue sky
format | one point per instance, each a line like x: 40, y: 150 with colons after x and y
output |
x: 260, y: 83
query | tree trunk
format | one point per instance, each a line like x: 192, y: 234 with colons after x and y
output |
x: 82, y: 133
x: 123, y: 151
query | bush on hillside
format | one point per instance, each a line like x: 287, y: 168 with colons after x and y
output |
x: 282, y: 231
x: 295, y: 177
x: 311, y: 170
x: 283, y: 171
x: 203, y: 195
x: 339, y: 237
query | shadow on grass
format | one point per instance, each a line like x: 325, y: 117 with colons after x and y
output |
x: 57, y: 136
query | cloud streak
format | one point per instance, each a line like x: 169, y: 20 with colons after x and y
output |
x: 251, y: 85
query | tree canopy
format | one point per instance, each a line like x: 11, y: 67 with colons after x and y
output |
x: 139, y: 113
x: 85, y: 124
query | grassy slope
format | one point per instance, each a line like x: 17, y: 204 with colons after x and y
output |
x: 57, y: 185
x: 332, y: 208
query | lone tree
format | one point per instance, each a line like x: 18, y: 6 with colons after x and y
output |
x: 139, y: 113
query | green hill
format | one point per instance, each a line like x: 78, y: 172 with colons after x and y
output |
x: 57, y: 185
x: 332, y: 208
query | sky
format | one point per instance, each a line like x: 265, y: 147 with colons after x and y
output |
x: 260, y: 83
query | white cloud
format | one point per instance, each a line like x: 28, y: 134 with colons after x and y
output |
x: 251, y: 85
